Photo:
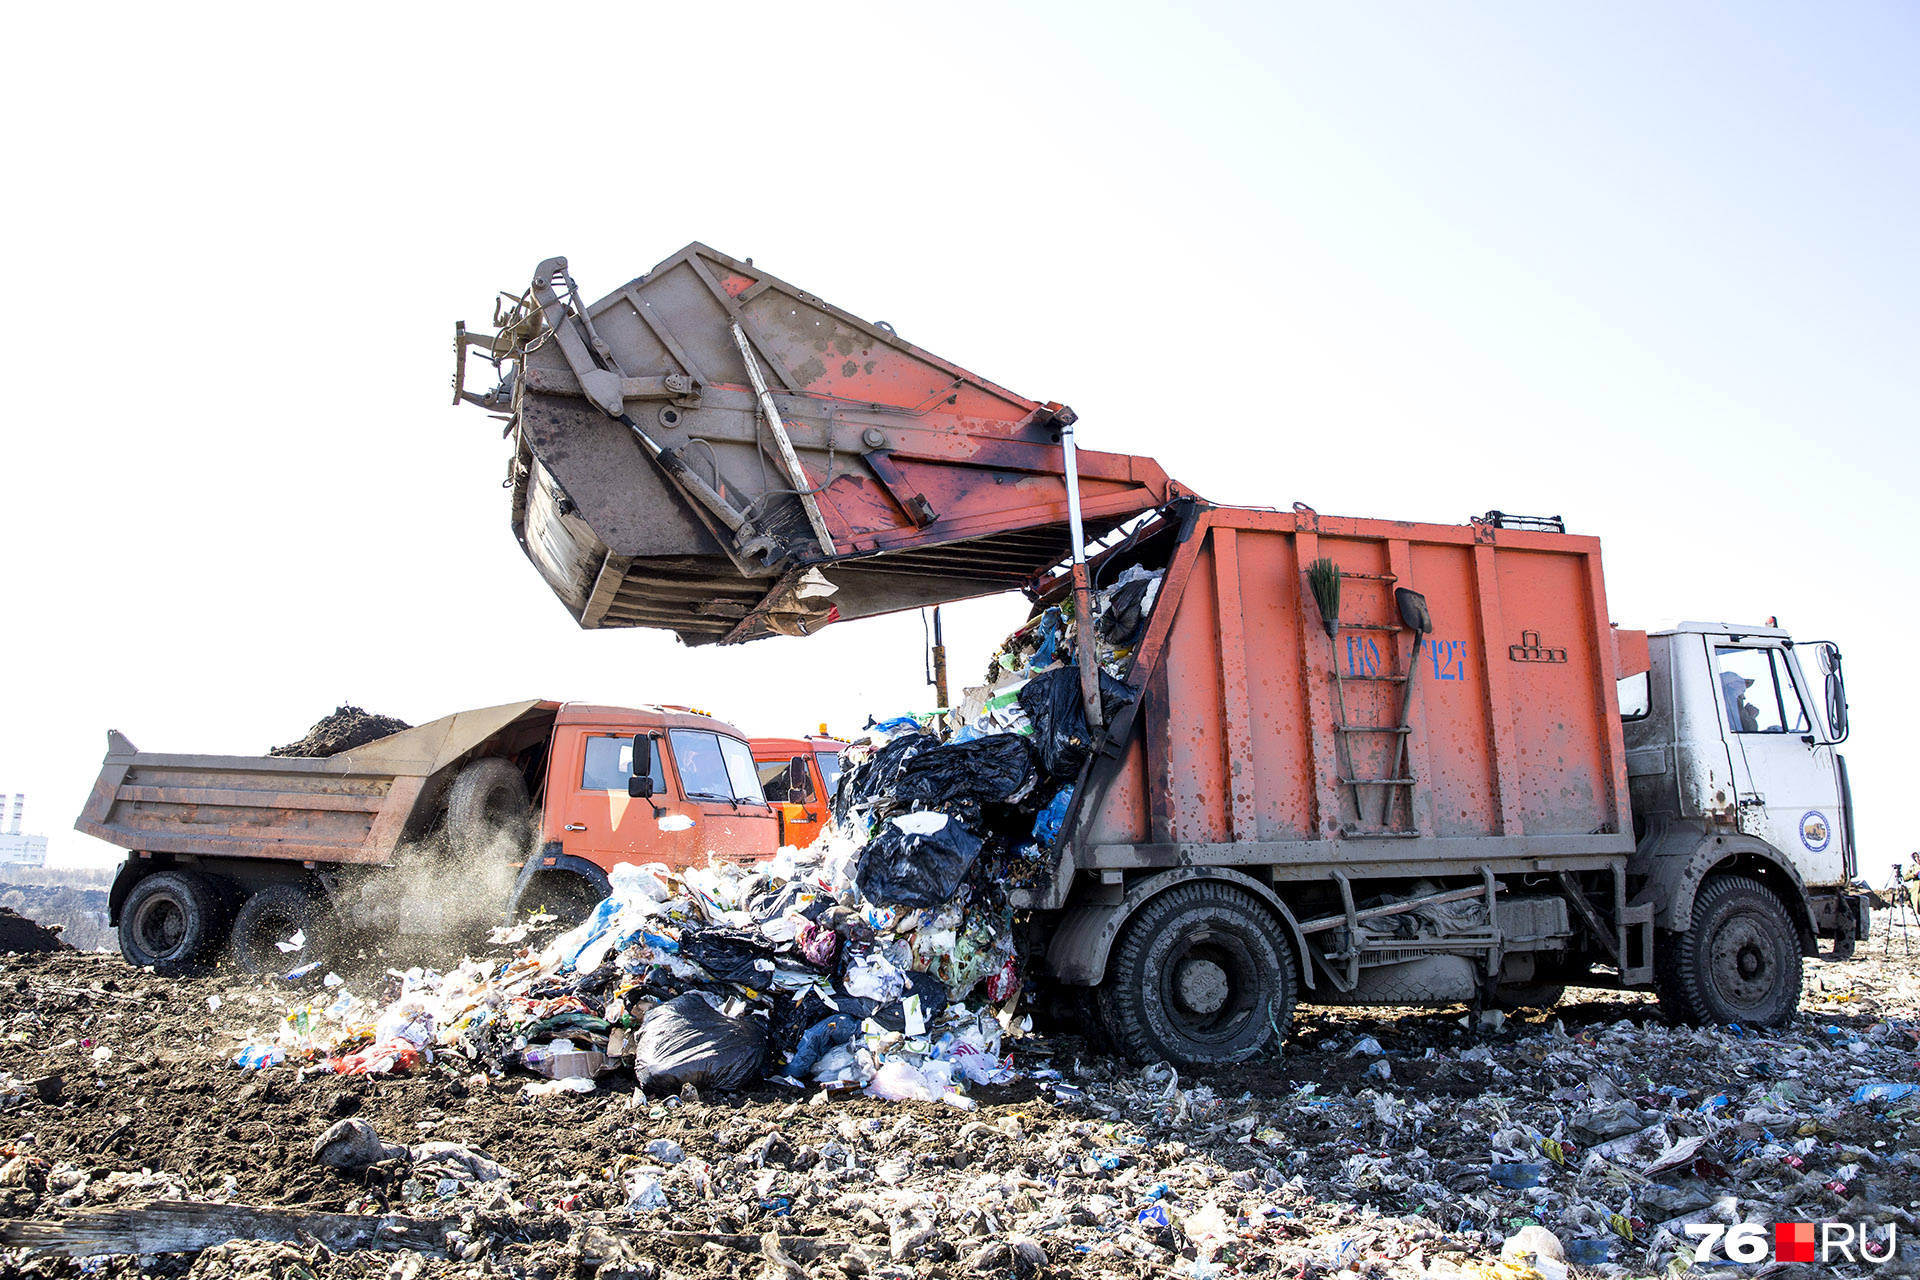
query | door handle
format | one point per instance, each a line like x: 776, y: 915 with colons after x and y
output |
x: 576, y: 826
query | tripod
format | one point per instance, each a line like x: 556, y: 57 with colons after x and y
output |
x: 1900, y: 913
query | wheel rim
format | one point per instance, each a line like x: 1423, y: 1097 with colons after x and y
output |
x: 1209, y: 986
x: 1744, y: 965
x: 161, y: 926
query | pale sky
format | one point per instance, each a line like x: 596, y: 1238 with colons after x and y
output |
x: 1649, y: 267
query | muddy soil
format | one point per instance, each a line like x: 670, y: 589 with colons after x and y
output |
x: 343, y: 729
x: 1307, y: 1165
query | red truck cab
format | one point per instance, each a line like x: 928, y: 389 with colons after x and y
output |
x: 714, y: 794
x: 798, y: 776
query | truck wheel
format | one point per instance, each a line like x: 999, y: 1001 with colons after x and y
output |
x: 170, y: 919
x: 274, y: 915
x: 1202, y: 975
x: 1740, y: 962
x: 568, y: 897
x: 488, y: 796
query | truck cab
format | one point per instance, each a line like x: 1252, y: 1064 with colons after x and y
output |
x: 798, y: 776
x: 703, y: 799
x: 1730, y: 737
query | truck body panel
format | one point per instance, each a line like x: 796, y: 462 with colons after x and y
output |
x: 351, y: 808
x: 1513, y: 751
x: 650, y: 488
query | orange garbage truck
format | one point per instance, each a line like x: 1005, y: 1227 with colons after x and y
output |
x: 528, y: 803
x: 1364, y: 761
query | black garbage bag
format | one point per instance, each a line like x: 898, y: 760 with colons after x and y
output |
x: 874, y: 778
x: 791, y: 1018
x: 1124, y: 619
x: 997, y: 769
x: 1060, y: 734
x: 919, y: 865
x: 688, y: 1041
x: 892, y: 1014
x: 730, y: 956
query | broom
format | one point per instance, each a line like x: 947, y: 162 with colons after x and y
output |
x: 1323, y: 579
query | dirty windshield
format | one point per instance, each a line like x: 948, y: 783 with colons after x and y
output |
x: 829, y: 769
x: 713, y: 767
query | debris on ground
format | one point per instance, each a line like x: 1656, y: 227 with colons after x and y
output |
x: 342, y: 729
x: 1301, y: 1164
x: 828, y: 1065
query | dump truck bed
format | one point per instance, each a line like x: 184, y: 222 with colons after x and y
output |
x: 355, y: 807
x: 1510, y: 754
x: 653, y: 485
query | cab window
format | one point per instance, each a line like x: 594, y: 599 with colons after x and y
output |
x: 775, y: 779
x: 609, y: 763
x: 829, y: 769
x: 1636, y: 697
x: 713, y: 767
x: 1758, y: 692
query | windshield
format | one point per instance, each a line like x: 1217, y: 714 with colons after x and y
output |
x: 715, y: 768
x: 829, y: 770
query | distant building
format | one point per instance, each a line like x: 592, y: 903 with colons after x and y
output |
x: 17, y: 850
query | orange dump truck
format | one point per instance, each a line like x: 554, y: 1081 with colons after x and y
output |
x: 1457, y: 782
x: 437, y: 826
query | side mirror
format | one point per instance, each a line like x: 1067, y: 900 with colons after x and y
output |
x: 799, y: 782
x: 1413, y: 610
x: 640, y: 786
x: 1836, y: 691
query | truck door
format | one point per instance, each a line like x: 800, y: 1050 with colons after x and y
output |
x: 790, y: 788
x: 718, y: 779
x: 604, y: 824
x: 1789, y: 792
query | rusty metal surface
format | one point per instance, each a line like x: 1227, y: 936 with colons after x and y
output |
x: 1515, y: 762
x: 350, y: 808
x: 931, y: 483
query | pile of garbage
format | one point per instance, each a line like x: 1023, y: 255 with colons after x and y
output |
x: 882, y: 958
x: 1386, y: 1143
x: 342, y: 729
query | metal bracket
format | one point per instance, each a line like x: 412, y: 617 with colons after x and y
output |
x: 771, y: 412
x: 1530, y: 650
x: 894, y: 480
x: 601, y: 385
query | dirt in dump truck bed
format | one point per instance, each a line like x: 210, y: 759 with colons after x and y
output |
x: 342, y: 729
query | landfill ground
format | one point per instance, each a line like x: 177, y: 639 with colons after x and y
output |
x: 119, y: 1091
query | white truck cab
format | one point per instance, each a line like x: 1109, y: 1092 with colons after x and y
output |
x: 1732, y: 753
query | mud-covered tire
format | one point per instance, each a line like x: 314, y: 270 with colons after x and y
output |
x: 1202, y: 975
x: 1740, y: 962
x: 486, y: 797
x: 1528, y: 995
x: 170, y: 919
x: 273, y: 915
